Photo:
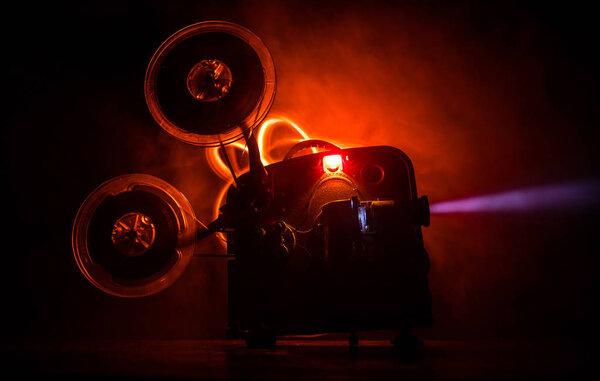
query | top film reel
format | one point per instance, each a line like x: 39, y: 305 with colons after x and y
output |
x: 209, y: 82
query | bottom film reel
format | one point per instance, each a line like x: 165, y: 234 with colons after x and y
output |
x: 133, y: 235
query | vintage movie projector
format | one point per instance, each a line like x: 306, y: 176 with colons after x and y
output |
x: 326, y: 240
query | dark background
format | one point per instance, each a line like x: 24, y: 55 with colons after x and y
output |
x: 483, y: 98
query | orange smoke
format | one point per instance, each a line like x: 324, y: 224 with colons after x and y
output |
x: 473, y: 104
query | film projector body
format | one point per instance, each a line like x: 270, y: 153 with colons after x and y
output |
x: 328, y: 241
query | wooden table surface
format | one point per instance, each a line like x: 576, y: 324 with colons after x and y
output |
x: 315, y: 359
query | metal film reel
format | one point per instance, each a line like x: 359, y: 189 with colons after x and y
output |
x: 133, y: 235
x: 209, y: 82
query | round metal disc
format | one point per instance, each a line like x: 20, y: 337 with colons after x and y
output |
x: 133, y: 235
x: 209, y: 82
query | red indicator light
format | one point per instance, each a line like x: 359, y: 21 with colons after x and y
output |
x: 332, y: 163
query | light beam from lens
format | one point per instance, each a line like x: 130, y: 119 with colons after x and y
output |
x: 571, y: 195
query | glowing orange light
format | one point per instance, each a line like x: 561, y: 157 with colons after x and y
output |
x: 266, y: 130
x: 332, y: 163
x: 220, y: 168
x: 216, y: 163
